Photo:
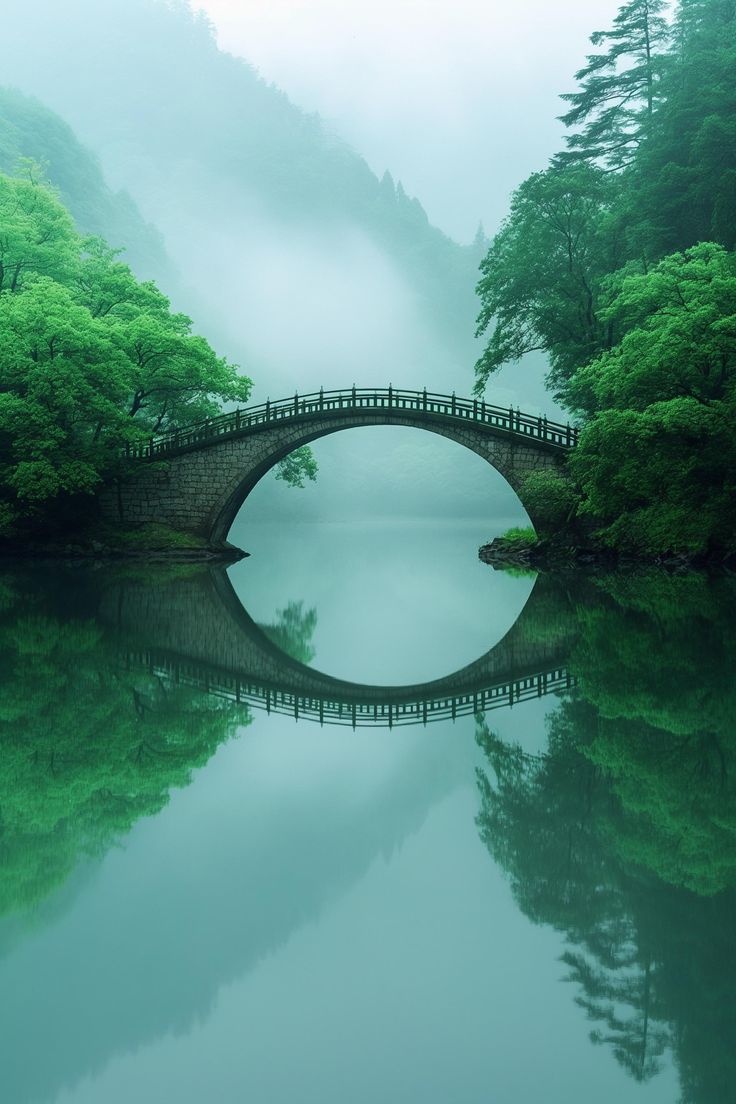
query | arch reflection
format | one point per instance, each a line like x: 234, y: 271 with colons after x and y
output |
x: 197, y: 634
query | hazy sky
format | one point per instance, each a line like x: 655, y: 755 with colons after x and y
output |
x: 457, y: 97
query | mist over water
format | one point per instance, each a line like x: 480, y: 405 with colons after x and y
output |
x: 377, y: 621
x: 308, y: 889
x: 357, y: 817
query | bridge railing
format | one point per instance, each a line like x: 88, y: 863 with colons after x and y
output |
x: 355, y: 714
x: 237, y: 422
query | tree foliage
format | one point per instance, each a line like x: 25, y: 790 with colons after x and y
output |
x: 90, y: 358
x: 657, y: 458
x: 551, y: 498
x: 617, y: 262
x: 299, y: 466
x: 619, y: 87
x: 540, y: 284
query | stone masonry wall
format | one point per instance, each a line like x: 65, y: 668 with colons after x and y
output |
x: 200, y: 492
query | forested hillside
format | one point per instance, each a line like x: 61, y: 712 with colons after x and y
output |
x: 30, y: 132
x: 193, y: 114
x: 617, y: 260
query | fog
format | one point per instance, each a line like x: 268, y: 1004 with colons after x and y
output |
x: 287, y: 253
x: 458, y: 100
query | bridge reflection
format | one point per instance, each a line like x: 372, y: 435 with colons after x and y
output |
x: 350, y: 711
x: 198, y: 635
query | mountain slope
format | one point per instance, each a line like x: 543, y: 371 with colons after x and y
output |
x: 145, y: 83
x: 31, y: 132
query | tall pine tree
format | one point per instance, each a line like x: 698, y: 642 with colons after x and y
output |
x: 618, y: 87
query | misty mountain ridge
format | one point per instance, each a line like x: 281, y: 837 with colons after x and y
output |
x: 145, y: 84
x: 30, y: 132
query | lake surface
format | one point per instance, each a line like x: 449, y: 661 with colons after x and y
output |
x: 207, y: 894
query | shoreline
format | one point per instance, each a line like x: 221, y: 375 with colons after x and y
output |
x: 545, y: 555
x: 96, y: 552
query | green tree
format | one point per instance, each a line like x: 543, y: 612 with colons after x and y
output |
x: 552, y: 499
x: 619, y: 87
x: 37, y: 234
x: 656, y: 461
x: 540, y: 286
x: 678, y: 327
x: 90, y: 359
x: 298, y: 466
x: 624, y: 280
x: 683, y: 187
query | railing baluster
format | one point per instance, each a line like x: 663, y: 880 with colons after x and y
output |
x: 554, y: 433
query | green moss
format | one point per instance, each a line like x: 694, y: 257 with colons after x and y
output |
x: 150, y: 537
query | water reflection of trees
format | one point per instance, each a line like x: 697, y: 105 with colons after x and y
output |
x: 292, y: 631
x: 623, y: 834
x: 86, y: 748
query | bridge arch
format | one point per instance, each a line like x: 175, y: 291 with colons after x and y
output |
x: 195, y: 480
x: 197, y: 633
x: 241, y: 487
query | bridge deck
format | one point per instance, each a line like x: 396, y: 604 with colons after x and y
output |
x: 371, y: 401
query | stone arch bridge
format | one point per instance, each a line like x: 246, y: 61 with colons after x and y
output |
x: 195, y: 480
x: 195, y: 632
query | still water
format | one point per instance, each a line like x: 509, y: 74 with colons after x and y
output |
x: 207, y: 894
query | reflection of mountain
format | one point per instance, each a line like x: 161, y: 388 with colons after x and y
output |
x: 624, y: 835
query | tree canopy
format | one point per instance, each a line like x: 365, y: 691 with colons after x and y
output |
x: 617, y: 261
x: 657, y: 455
x: 619, y: 87
x: 90, y: 358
